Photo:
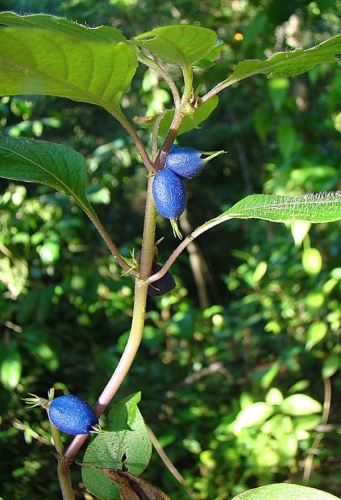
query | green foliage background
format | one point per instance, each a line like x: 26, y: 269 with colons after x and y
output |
x: 254, y: 320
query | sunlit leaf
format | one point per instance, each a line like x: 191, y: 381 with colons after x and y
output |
x: 179, y: 43
x: 283, y: 491
x: 10, y: 369
x: 62, y: 25
x: 320, y: 207
x: 254, y: 414
x: 331, y: 365
x: 316, y: 332
x: 300, y: 404
x: 13, y: 273
x: 288, y: 63
x: 312, y: 261
x: 53, y: 62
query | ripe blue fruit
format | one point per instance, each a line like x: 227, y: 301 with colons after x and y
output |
x: 161, y: 286
x: 169, y: 194
x: 185, y: 162
x: 72, y: 415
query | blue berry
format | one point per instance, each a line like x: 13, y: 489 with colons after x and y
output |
x: 169, y: 194
x: 161, y: 286
x: 72, y: 415
x: 185, y: 162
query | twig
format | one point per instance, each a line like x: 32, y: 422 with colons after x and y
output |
x: 172, y: 469
x: 308, y: 464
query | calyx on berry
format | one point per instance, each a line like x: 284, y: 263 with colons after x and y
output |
x: 187, y: 162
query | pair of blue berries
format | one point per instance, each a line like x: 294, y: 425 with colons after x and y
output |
x: 169, y: 192
x: 168, y: 189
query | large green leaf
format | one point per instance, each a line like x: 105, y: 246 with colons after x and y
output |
x: 284, y: 491
x: 288, y: 63
x: 125, y: 440
x: 179, y: 43
x: 320, y: 207
x: 62, y: 25
x: 43, y: 162
x: 80, y: 66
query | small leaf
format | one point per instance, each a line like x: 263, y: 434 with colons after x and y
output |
x: 283, y: 491
x: 189, y: 123
x: 125, y: 436
x: 51, y: 164
x: 316, y: 332
x: 312, y: 261
x: 179, y: 43
x: 10, y: 370
x: 253, y: 414
x: 331, y: 365
x: 132, y: 487
x: 300, y: 404
x: 13, y: 273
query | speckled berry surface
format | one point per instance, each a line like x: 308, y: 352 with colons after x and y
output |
x: 185, y: 162
x: 169, y: 194
x: 72, y: 415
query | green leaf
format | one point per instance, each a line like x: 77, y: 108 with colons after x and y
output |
x: 10, y: 370
x: 316, y: 332
x: 300, y: 404
x: 283, y: 491
x: 331, y: 365
x: 13, y: 273
x: 189, y: 123
x: 62, y: 25
x: 320, y: 207
x: 253, y: 414
x: 287, y: 63
x: 125, y: 439
x: 312, y: 261
x: 180, y: 43
x: 51, y: 164
x: 52, y: 62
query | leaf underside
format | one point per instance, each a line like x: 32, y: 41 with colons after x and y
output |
x: 320, y: 207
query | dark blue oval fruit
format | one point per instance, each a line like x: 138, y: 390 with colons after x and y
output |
x: 163, y: 285
x: 72, y: 415
x: 185, y: 162
x: 169, y: 194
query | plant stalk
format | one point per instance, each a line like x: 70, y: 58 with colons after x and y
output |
x: 136, y: 331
